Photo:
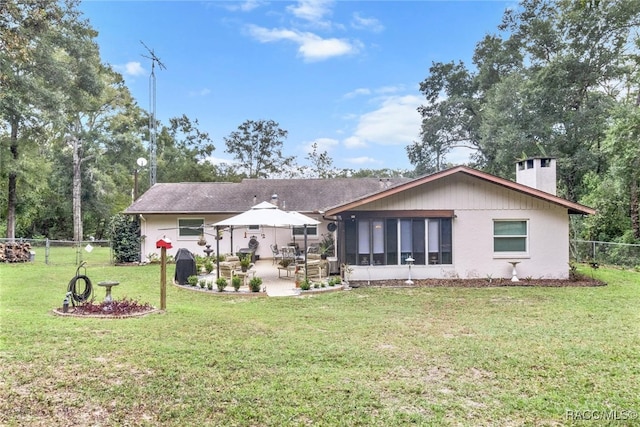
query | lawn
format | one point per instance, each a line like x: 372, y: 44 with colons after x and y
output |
x: 505, y: 356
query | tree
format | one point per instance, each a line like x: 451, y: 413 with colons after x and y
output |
x: 29, y: 38
x: 257, y: 147
x: 184, y: 152
x: 321, y: 164
x: 450, y: 119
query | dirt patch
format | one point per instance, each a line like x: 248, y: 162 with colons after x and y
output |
x: 479, y: 283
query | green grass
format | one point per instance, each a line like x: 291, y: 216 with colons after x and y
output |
x: 366, y: 357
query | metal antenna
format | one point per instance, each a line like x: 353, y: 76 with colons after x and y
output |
x: 153, y: 127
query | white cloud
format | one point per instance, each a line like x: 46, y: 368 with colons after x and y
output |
x: 243, y: 6
x: 311, y: 10
x: 310, y: 46
x: 132, y: 68
x: 354, y: 142
x: 357, y: 92
x: 324, y: 144
x: 362, y: 23
x: 395, y: 122
x: 201, y: 92
x: 362, y: 160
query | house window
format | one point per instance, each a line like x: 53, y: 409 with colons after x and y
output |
x: 391, y: 241
x: 188, y: 227
x: 312, y: 231
x: 510, y: 236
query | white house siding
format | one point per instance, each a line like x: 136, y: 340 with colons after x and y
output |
x: 476, y: 203
x: 152, y: 228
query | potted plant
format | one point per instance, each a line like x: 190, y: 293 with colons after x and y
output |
x: 255, y: 284
x: 325, y: 248
x: 236, y: 282
x: 245, y: 262
x: 221, y: 283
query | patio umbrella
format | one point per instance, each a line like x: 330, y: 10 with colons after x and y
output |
x: 268, y: 215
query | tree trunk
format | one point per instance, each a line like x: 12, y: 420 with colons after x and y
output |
x: 13, y: 179
x: 634, y: 208
x: 77, y: 190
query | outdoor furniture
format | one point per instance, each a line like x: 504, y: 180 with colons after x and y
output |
x: 275, y: 253
x: 228, y: 268
x: 289, y: 252
x: 314, y: 269
x: 245, y: 275
x: 288, y: 269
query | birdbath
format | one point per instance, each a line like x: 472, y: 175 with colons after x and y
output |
x: 409, y: 261
x: 514, y: 274
x: 108, y: 285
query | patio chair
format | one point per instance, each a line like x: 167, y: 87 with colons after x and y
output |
x: 288, y: 252
x: 314, y: 270
x: 277, y: 256
x: 227, y: 269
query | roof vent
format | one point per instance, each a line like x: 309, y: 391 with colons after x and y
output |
x: 274, y: 199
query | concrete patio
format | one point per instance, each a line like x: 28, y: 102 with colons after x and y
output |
x: 275, y: 286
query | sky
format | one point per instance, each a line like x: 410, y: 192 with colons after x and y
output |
x: 344, y: 75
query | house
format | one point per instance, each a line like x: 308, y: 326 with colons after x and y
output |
x: 458, y: 223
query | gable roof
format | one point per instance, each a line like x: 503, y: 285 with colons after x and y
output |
x: 304, y: 195
x: 573, y: 208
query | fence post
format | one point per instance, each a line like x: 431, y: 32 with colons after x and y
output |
x: 46, y: 251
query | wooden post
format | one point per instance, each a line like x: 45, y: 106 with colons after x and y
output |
x: 163, y: 278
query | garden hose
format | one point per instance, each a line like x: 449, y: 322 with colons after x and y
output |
x: 73, y: 289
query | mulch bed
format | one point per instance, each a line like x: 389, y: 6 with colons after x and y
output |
x: 480, y: 283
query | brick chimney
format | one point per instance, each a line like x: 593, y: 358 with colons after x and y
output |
x: 537, y: 172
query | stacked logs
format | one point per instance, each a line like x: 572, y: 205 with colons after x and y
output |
x: 15, y: 252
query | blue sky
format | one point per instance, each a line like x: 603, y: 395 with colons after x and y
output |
x: 342, y: 74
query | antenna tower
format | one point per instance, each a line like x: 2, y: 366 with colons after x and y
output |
x: 153, y: 125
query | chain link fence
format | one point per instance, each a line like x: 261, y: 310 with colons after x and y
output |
x: 100, y: 252
x: 65, y: 252
x: 605, y: 253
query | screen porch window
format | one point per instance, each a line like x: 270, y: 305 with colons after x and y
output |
x: 189, y: 227
x: 391, y: 241
x: 510, y: 236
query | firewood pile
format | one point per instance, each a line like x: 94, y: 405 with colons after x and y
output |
x: 15, y: 252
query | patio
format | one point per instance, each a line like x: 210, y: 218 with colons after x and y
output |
x: 275, y: 286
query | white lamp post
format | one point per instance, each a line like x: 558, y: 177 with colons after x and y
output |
x: 409, y: 261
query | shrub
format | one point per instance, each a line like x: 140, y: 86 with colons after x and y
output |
x: 124, y: 234
x: 255, y: 284
x: 202, y: 283
x: 192, y: 280
x: 305, y: 285
x: 221, y: 283
x: 236, y: 282
x: 208, y: 265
